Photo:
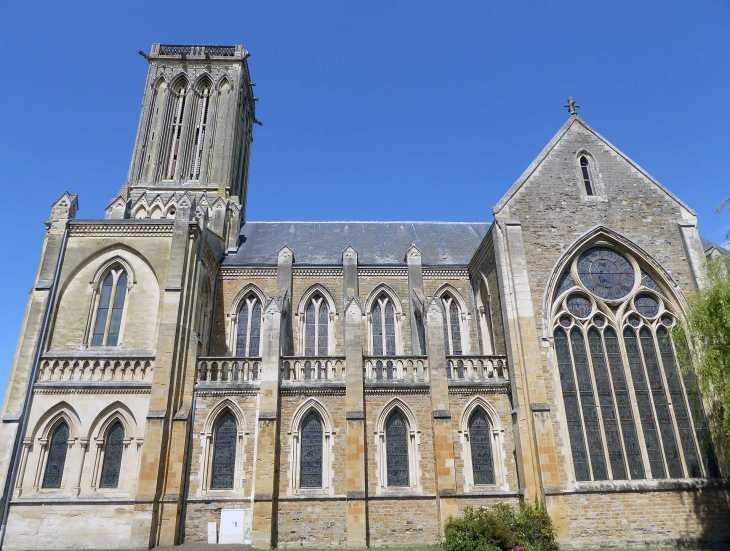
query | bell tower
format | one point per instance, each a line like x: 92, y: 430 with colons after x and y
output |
x: 194, y: 136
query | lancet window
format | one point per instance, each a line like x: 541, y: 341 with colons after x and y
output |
x: 383, y: 326
x: 311, y: 452
x: 619, y: 374
x: 316, y: 326
x: 396, y: 446
x: 110, y: 308
x: 56, y: 458
x: 178, y: 98
x: 113, y: 449
x: 248, y: 330
x: 585, y: 169
x: 452, y: 325
x: 224, y: 453
x: 480, y: 444
x: 201, y: 124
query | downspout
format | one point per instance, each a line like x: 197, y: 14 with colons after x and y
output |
x: 10, y: 481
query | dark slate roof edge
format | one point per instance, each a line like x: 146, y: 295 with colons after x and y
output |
x: 707, y: 245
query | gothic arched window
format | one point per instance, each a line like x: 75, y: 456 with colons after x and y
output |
x: 480, y: 442
x: 316, y: 326
x: 614, y: 317
x: 383, y: 326
x: 585, y: 169
x: 452, y: 325
x: 248, y: 331
x: 201, y: 123
x: 224, y: 453
x: 113, y: 448
x: 310, y: 468
x: 110, y: 308
x: 56, y: 457
x: 396, y: 449
x: 178, y: 97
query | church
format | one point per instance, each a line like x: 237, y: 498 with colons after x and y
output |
x: 184, y: 374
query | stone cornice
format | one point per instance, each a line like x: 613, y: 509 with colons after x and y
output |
x: 121, y: 228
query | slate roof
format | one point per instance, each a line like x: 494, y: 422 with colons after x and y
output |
x: 377, y: 243
x: 707, y: 245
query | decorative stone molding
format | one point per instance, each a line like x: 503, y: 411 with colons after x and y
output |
x: 147, y: 228
x: 244, y: 273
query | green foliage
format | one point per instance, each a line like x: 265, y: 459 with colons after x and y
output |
x: 703, y: 344
x: 501, y: 528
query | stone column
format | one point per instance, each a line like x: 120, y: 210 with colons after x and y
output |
x: 285, y: 259
x: 31, y: 337
x: 356, y: 459
x: 534, y: 439
x: 443, y: 440
x: 156, y: 514
x: 266, y: 480
x: 415, y: 285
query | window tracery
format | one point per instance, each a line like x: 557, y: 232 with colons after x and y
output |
x: 248, y: 329
x: 396, y: 441
x: 178, y: 97
x: 383, y: 326
x: 310, y: 470
x: 611, y: 315
x: 201, y: 123
x: 113, y: 449
x: 452, y: 325
x: 224, y: 453
x: 110, y: 308
x: 316, y: 326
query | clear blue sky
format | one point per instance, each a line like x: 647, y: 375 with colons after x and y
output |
x: 371, y: 110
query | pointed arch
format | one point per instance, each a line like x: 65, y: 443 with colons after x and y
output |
x: 388, y: 290
x: 588, y: 173
x: 54, y: 415
x: 484, y: 314
x: 202, y: 80
x: 456, y: 315
x: 159, y: 81
x: 116, y: 411
x: 222, y: 81
x: 246, y: 320
x: 482, y: 445
x: 208, y: 445
x: 179, y: 81
x: 317, y: 455
x: 140, y: 209
x: 384, y: 321
x: 241, y: 295
x: 316, y: 322
x: 108, y: 265
x: 407, y: 448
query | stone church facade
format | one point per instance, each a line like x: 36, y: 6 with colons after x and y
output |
x: 353, y: 384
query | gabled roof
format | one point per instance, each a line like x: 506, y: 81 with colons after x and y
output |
x: 377, y: 243
x: 575, y: 119
x: 707, y: 245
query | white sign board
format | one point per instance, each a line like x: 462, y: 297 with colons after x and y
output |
x: 232, y: 525
x: 212, y: 532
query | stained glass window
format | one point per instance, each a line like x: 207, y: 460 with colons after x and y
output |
x: 606, y: 273
x: 113, y: 448
x: 579, y: 306
x: 623, y: 403
x: 310, y: 470
x: 588, y: 403
x: 310, y: 330
x: 643, y: 399
x: 572, y: 407
x: 389, y: 369
x: 608, y: 410
x: 681, y: 413
x: 110, y: 308
x: 648, y: 282
x: 224, y: 453
x: 664, y: 416
x: 383, y: 320
x: 322, y: 328
x: 565, y: 283
x: 455, y: 328
x: 56, y: 457
x: 480, y: 442
x: 396, y: 445
x: 248, y: 333
x: 646, y: 305
x: 586, y: 172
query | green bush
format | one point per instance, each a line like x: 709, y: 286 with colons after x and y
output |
x: 501, y: 528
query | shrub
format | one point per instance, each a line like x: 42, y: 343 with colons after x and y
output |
x: 501, y: 528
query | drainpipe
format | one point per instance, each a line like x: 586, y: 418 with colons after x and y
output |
x: 10, y: 481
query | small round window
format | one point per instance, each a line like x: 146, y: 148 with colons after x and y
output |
x: 579, y: 306
x: 646, y: 305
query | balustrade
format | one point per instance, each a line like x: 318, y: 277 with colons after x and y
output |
x: 228, y: 370
x: 68, y: 370
x: 384, y: 368
x: 329, y: 368
x: 477, y: 368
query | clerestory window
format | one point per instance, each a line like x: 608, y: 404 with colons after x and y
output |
x: 383, y: 326
x: 248, y: 330
x: 316, y: 327
x: 452, y: 325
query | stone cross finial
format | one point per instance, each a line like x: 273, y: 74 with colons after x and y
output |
x: 572, y: 107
